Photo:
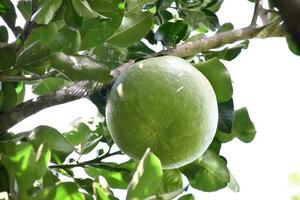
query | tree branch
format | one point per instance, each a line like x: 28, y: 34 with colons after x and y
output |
x: 5, y: 78
x: 88, y: 88
x: 191, y: 48
x: 256, y: 12
x: 95, y: 161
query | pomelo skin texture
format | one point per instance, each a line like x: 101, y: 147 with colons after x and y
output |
x: 166, y: 104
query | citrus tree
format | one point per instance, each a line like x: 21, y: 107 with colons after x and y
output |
x: 133, y: 59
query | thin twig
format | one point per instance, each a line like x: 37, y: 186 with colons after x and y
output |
x: 95, y: 161
x: 5, y: 78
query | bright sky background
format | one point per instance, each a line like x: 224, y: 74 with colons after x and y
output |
x: 267, y: 81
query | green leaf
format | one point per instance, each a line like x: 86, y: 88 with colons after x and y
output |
x: 66, y: 40
x: 78, y: 68
x: 46, y: 11
x: 7, y: 56
x: 292, y: 45
x: 49, y: 179
x: 187, y: 197
x: 227, y: 53
x: 226, y: 111
x: 218, y: 76
x: 9, y: 15
x: 243, y: 128
x: 167, y: 196
x: 20, y: 89
x: 163, y: 5
x: 208, y: 173
x: 146, y: 178
x: 25, y: 164
x: 65, y: 191
x: 4, y: 7
x: 84, y: 9
x: 215, y: 146
x: 94, y: 31
x: 170, y: 33
x: 171, y: 181
x: 137, y: 5
x: 139, y: 50
x: 109, y: 55
x: 79, y: 133
x: 134, y: 26
x: 3, y: 34
x: 24, y: 7
x: 116, y: 179
x: 102, y: 194
x: 225, y: 27
x: 33, y: 56
x: 55, y: 140
x: 72, y: 19
x: 10, y: 96
x: 48, y: 85
x: 44, y: 34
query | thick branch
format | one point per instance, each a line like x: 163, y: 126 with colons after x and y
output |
x: 191, y: 48
x: 86, y: 88
x: 28, y: 108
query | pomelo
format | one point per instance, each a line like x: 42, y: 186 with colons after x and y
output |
x: 163, y: 103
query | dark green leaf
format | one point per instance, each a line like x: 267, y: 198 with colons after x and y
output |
x: 4, y: 7
x: 243, y: 128
x: 137, y: 5
x: 171, y: 181
x: 83, y: 8
x: 109, y: 55
x: 218, y: 76
x: 94, y: 31
x: 3, y: 35
x: 133, y: 28
x: 80, y: 68
x: 86, y: 184
x: 4, y: 177
x: 208, y: 173
x: 44, y: 34
x: 227, y: 53
x: 146, y: 178
x: 9, y: 16
x: 215, y: 146
x: 33, y: 56
x: 10, y: 96
x: 292, y: 45
x: 55, y: 140
x: 71, y: 17
x: 116, y: 179
x: 48, y: 85
x: 170, y: 33
x: 7, y: 56
x: 46, y: 11
x: 139, y: 50
x: 187, y: 197
x: 24, y: 7
x: 49, y: 179
x: 66, y: 40
x: 226, y: 110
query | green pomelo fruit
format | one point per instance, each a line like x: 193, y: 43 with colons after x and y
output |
x: 166, y: 104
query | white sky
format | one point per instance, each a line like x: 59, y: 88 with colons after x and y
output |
x: 266, y: 81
